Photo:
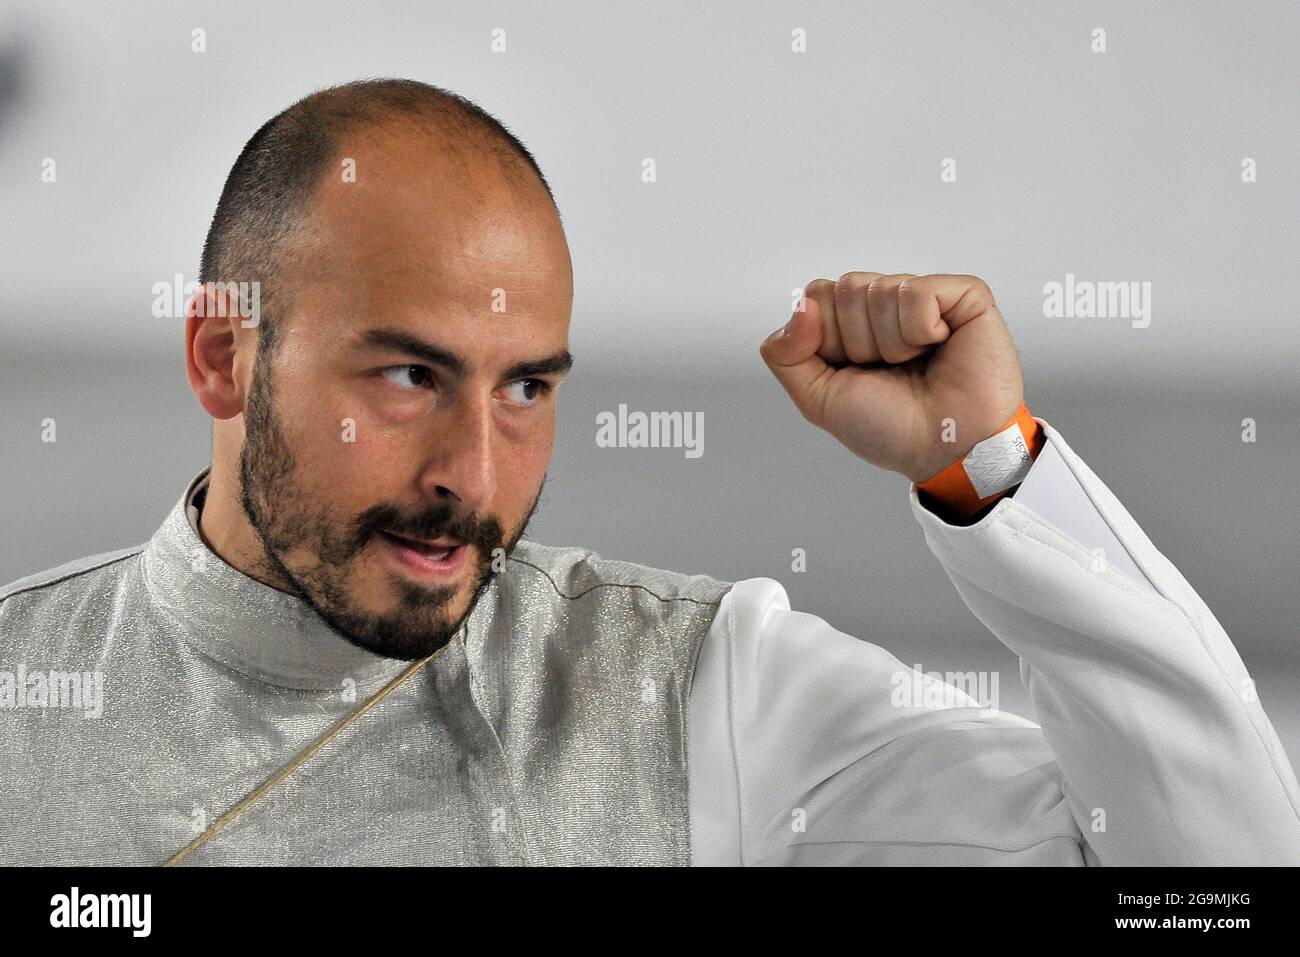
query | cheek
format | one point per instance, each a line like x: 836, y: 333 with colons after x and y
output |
x: 339, y: 451
x: 522, y: 468
x: 363, y: 454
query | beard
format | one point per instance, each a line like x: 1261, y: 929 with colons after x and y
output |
x: 287, y: 517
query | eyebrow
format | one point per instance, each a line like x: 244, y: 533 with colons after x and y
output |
x: 560, y: 362
x: 400, y: 341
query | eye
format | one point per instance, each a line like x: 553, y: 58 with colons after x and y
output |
x: 527, y: 391
x: 408, y: 377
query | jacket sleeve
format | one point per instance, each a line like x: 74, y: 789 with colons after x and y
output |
x: 809, y: 746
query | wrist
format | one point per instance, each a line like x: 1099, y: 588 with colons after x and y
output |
x: 989, y: 471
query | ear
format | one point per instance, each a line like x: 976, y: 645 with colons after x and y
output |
x: 214, y: 337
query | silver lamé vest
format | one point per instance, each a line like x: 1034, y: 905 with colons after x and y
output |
x: 551, y: 730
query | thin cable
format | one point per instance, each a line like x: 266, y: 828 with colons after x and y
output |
x: 225, y: 820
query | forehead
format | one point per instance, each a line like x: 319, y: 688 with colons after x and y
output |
x: 423, y: 231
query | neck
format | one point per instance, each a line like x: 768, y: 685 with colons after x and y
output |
x: 225, y: 528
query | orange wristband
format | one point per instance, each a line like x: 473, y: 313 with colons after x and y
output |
x: 990, y: 470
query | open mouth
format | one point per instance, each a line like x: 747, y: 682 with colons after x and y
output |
x: 438, y: 561
x: 438, y: 550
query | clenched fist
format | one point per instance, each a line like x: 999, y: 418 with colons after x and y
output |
x: 881, y: 361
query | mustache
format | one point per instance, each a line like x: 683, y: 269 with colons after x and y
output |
x: 440, y: 520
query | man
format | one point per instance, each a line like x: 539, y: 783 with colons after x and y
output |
x: 339, y: 649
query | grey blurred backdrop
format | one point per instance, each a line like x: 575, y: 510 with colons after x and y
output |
x: 773, y: 167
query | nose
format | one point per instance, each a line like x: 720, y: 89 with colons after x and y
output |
x: 463, y: 469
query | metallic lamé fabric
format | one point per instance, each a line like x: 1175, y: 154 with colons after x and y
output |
x: 551, y: 730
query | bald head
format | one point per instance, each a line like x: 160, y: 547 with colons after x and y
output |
x: 452, y: 145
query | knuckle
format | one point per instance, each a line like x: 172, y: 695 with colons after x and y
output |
x: 879, y: 287
x: 910, y: 287
x: 852, y: 284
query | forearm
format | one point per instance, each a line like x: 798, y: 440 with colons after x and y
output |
x: 1166, y: 755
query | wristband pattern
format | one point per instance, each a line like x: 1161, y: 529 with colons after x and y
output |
x: 992, y: 468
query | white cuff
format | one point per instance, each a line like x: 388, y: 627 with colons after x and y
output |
x: 1054, y: 494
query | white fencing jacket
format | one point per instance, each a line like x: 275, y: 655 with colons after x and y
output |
x: 1153, y: 747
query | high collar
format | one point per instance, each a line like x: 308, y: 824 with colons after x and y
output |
x: 246, y: 625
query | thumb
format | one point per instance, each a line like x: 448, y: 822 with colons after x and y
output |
x: 791, y: 354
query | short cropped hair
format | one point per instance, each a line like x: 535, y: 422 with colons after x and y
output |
x: 271, y: 184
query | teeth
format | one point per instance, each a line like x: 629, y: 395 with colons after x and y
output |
x: 438, y: 552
